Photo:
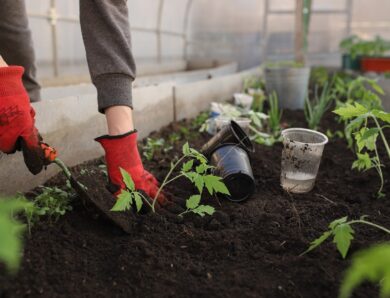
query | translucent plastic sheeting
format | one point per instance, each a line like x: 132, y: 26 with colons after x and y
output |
x: 245, y: 31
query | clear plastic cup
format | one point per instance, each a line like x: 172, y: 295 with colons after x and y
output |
x: 222, y: 121
x: 301, y: 158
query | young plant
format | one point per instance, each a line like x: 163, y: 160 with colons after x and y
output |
x: 51, y: 204
x: 193, y: 205
x: 314, y: 111
x: 154, y: 145
x: 361, y: 89
x: 11, y: 231
x: 275, y: 115
x: 199, y: 175
x: 365, y: 137
x: 129, y: 197
x: 373, y: 265
x: 342, y: 232
x: 319, y: 76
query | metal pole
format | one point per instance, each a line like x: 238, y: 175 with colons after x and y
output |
x: 185, y: 29
x: 52, y: 17
x: 265, y: 32
x: 349, y: 16
x: 158, y: 29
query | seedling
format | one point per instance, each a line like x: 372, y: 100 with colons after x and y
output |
x: 315, y: 110
x: 130, y: 197
x: 193, y: 205
x: 11, y: 231
x: 342, y: 232
x: 372, y: 264
x: 154, y: 145
x: 275, y: 115
x: 362, y: 90
x: 199, y: 120
x: 51, y: 204
x: 366, y: 137
x: 334, y: 134
x: 198, y: 175
x: 319, y: 76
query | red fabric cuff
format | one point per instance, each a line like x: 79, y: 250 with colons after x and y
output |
x: 11, y: 81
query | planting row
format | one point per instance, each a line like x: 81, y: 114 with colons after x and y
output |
x: 255, y: 116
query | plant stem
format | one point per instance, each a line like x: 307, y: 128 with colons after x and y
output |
x: 165, y: 180
x: 184, y: 212
x: 63, y: 167
x: 173, y: 179
x: 382, y: 135
x: 362, y: 221
x: 261, y: 134
x: 379, y: 170
x: 147, y: 201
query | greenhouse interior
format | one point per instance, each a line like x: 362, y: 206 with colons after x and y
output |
x: 192, y: 148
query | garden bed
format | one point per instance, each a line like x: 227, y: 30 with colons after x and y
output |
x: 248, y: 249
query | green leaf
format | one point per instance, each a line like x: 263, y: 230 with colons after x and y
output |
x: 317, y: 242
x: 343, y: 234
x: 193, y: 202
x: 123, y: 202
x: 351, y: 111
x: 371, y: 265
x: 11, y: 231
x: 376, y: 87
x: 202, y: 210
x: 202, y: 168
x: 363, y: 162
x: 366, y: 138
x: 382, y: 115
x: 188, y: 165
x: 337, y: 222
x: 138, y: 201
x: 215, y: 184
x: 127, y: 179
x: 196, y: 179
x: 186, y: 149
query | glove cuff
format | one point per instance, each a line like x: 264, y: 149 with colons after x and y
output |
x: 11, y: 81
x: 108, y: 137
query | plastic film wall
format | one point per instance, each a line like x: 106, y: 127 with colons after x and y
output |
x: 247, y: 31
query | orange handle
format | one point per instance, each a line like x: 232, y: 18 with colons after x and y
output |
x: 50, y: 153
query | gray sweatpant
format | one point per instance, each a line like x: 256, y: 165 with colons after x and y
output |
x: 106, y: 34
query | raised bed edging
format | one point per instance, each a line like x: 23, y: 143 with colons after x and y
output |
x: 70, y: 123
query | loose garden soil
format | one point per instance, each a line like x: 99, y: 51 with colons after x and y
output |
x: 248, y: 249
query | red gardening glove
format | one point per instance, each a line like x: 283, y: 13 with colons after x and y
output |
x: 17, y: 130
x: 122, y: 152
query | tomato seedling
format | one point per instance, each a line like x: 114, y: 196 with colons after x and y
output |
x: 365, y: 137
x: 194, y: 169
x: 11, y: 231
x: 342, y: 232
x: 373, y: 265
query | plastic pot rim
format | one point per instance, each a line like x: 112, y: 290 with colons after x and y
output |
x: 324, y: 142
x: 247, y: 143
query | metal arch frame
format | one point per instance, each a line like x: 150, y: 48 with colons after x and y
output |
x: 53, y: 18
x: 347, y: 11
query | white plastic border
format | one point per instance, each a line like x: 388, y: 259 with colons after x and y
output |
x: 70, y: 122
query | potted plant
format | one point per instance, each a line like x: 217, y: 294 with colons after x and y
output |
x: 365, y: 55
x: 350, y: 48
x: 290, y: 81
x: 376, y: 60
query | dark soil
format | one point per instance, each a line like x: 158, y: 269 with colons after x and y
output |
x: 248, y: 249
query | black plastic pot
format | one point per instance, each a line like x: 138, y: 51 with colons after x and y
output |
x: 351, y: 63
x: 231, y: 134
x: 231, y: 162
